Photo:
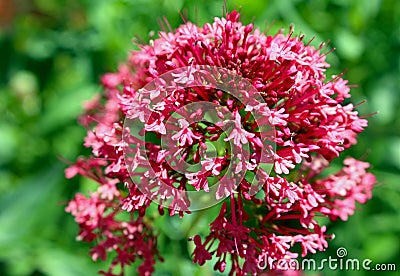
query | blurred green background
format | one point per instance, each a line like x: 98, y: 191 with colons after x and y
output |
x: 52, y: 53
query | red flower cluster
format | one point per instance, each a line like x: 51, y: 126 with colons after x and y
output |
x: 312, y: 127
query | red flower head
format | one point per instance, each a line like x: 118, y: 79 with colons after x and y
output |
x: 217, y: 113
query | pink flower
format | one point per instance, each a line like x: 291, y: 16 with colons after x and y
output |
x: 201, y: 255
x: 185, y: 136
x: 225, y: 188
x: 212, y: 165
x: 157, y: 125
x: 301, y: 113
x: 238, y: 134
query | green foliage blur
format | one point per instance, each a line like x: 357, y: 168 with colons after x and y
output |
x: 52, y: 53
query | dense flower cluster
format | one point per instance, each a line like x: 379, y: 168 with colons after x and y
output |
x: 312, y: 127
